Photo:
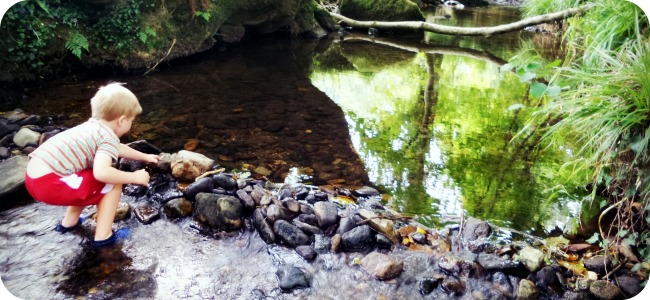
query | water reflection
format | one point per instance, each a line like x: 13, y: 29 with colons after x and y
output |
x: 434, y: 123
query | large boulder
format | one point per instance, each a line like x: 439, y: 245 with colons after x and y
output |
x: 381, y: 10
x: 219, y: 211
x: 187, y: 165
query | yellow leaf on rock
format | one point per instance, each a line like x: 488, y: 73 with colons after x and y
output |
x: 574, y: 266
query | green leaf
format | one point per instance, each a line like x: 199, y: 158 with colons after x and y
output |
x: 603, y: 203
x: 630, y: 240
x: 537, y: 89
x: 554, y: 64
x: 636, y: 267
x: 553, y: 90
x: 622, y: 233
x: 527, y: 76
x: 594, y: 238
x: 533, y: 66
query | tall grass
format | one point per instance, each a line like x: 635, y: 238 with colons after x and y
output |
x: 604, y: 109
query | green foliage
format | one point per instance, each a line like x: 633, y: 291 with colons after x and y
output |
x: 538, y: 7
x: 76, y: 42
x: 203, y: 14
x: 604, y: 108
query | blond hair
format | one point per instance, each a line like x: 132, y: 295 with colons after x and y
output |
x: 113, y: 101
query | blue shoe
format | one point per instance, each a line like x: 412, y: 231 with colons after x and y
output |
x: 62, y: 229
x: 117, y: 235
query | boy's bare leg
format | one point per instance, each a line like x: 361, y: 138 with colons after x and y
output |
x: 106, y: 209
x: 72, y: 216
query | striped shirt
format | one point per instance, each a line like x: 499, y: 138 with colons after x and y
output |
x: 74, y: 150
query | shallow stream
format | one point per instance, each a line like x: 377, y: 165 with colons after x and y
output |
x: 427, y: 119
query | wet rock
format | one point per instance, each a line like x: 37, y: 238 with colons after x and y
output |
x: 164, y: 164
x: 289, y: 233
x: 366, y: 191
x: 7, y: 140
x: 383, y: 241
x: 501, y: 283
x: 292, y: 205
x: 604, y: 290
x: 144, y: 147
x: 178, y: 208
x: 381, y: 266
x: 336, y: 243
x: 629, y: 285
x: 460, y: 264
x: 291, y: 278
x: 6, y: 129
x: 546, y: 278
x: 320, y: 196
x: 219, y: 211
x: 599, y: 264
x: 358, y: 239
x: 187, y: 166
x: 306, y: 209
x: 493, y: 262
x: 419, y: 238
x: 384, y: 226
x: 307, y: 252
x: 326, y: 213
x: 263, y: 227
x: 453, y: 285
x: 257, y: 194
x: 308, y: 218
x: 26, y: 136
x: 475, y: 229
x: 146, y: 213
x: 575, y: 295
x: 345, y: 224
x: 203, y: 185
x: 134, y: 190
x: 531, y: 258
x: 285, y: 193
x: 306, y: 227
x: 13, y: 174
x: 440, y: 246
x: 427, y: 285
x: 246, y: 199
x: 224, y: 181
x: 527, y: 290
x: 322, y: 243
x: 276, y: 212
x: 122, y: 212
x: 4, y: 152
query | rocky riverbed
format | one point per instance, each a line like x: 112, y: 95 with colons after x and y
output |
x: 200, y: 231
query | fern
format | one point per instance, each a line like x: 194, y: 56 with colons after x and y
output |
x: 76, y: 42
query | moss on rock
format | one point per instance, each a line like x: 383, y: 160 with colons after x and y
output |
x: 381, y: 10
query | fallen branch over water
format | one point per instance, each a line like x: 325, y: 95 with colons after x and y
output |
x: 470, y: 31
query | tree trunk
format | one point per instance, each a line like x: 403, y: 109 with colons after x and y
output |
x: 453, y: 30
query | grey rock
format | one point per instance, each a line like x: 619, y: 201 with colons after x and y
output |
x: 326, y: 213
x: 291, y: 278
x: 13, y: 174
x: 289, y: 233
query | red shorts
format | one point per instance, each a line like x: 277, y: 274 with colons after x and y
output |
x: 78, y: 189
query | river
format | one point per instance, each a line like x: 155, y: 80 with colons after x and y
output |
x: 427, y: 119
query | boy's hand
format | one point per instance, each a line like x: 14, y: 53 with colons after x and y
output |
x: 141, y: 177
x: 151, y: 158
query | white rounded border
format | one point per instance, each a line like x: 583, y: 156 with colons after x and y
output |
x: 6, y: 4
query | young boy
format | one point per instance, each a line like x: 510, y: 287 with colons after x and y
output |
x: 75, y: 167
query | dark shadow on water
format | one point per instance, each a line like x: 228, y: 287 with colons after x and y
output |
x: 106, y: 274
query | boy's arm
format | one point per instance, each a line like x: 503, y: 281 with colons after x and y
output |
x: 103, y: 171
x: 130, y: 153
